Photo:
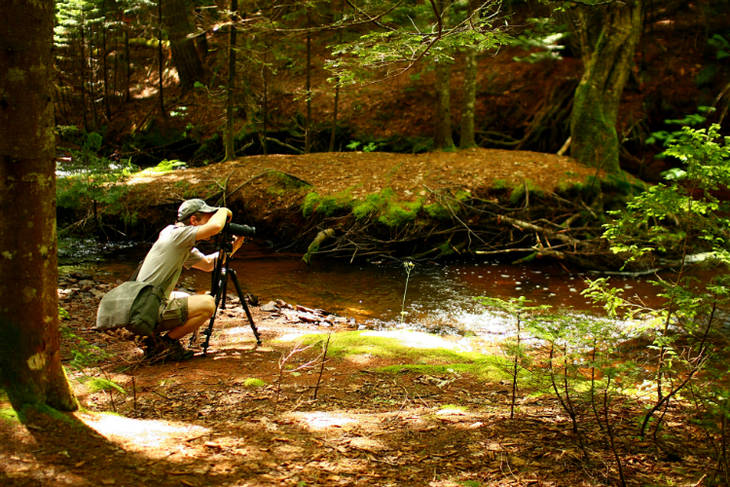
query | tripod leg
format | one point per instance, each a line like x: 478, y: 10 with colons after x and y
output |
x: 245, y: 306
x: 209, y: 331
x: 224, y: 287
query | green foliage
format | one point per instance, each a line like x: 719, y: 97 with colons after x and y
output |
x: 415, y: 32
x: 253, y: 383
x: 521, y: 191
x: 326, y: 205
x: 437, y: 211
x: 667, y: 138
x: 92, y: 182
x: 682, y: 218
x: 96, y: 384
x: 721, y: 45
x: 684, y: 214
x: 542, y: 39
x: 9, y: 415
x: 84, y: 354
x: 398, y: 213
x: 163, y: 167
x: 387, y: 209
x: 357, y: 145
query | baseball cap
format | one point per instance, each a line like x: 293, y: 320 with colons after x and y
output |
x: 190, y: 207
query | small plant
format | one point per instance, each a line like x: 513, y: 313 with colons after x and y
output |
x: 519, y: 308
x: 357, y: 145
x: 682, y: 220
x: 408, y: 266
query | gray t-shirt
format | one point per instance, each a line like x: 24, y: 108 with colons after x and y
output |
x: 173, y: 249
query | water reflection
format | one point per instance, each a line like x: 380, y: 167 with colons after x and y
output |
x: 442, y: 297
x: 439, y: 297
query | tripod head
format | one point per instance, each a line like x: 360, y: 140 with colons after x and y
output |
x: 225, y: 244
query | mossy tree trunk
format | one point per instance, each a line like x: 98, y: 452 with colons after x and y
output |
x: 176, y: 18
x: 30, y: 362
x: 608, y: 35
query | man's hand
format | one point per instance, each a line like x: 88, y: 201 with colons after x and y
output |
x: 237, y: 242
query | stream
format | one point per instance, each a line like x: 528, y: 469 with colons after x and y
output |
x: 440, y: 298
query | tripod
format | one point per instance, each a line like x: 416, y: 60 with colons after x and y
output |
x: 219, y: 287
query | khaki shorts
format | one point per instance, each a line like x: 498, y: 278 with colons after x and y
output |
x: 173, y: 312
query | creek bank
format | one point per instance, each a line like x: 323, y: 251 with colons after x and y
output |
x: 476, y: 202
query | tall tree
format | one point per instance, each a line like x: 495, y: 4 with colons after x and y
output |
x: 30, y: 362
x: 230, y: 151
x: 608, y: 32
x: 443, y: 137
x: 468, y: 111
x: 176, y: 15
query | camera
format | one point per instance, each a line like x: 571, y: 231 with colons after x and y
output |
x: 239, y: 230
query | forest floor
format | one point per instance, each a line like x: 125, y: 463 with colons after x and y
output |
x: 247, y: 415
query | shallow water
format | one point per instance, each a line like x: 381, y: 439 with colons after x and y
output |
x: 438, y: 297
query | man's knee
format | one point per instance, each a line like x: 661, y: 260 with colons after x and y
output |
x: 201, y: 304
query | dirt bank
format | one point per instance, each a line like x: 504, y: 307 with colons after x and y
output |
x: 433, y: 204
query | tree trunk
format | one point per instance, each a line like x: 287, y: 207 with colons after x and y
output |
x: 127, y: 67
x: 608, y: 36
x: 160, y: 59
x: 308, y: 89
x: 470, y: 93
x: 176, y: 18
x: 443, y: 139
x: 82, y: 45
x: 30, y: 361
x: 229, y: 142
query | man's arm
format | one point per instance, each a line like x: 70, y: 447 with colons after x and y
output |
x: 207, y: 263
x: 214, y: 225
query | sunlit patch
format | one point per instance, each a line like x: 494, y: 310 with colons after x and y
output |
x: 319, y: 420
x: 416, y: 339
x: 293, y: 337
x: 238, y: 334
x: 142, y: 433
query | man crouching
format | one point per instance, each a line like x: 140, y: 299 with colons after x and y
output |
x: 181, y: 313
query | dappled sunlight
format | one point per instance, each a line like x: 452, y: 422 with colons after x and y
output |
x: 238, y: 335
x: 297, y: 335
x: 137, y: 434
x: 321, y: 420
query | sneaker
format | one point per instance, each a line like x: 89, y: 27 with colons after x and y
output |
x: 161, y: 349
x: 177, y: 352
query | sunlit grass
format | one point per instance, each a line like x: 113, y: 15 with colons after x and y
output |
x: 9, y: 414
x: 423, y: 347
x: 253, y: 382
x: 423, y: 353
x: 487, y: 369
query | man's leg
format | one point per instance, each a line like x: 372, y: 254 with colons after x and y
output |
x: 200, y: 308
